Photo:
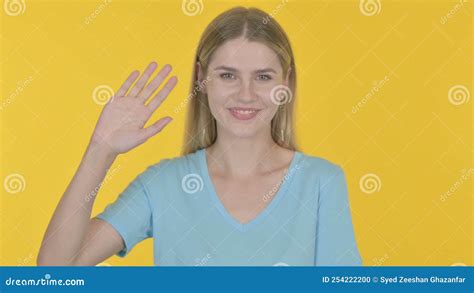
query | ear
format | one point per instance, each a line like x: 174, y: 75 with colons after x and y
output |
x: 200, y: 74
x: 287, y: 77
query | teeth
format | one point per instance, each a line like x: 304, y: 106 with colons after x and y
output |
x: 244, y: 111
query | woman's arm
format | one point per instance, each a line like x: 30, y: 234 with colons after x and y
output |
x: 71, y: 222
x: 72, y: 237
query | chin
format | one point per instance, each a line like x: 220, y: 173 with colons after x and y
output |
x: 243, y: 131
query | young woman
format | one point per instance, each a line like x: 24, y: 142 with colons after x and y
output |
x: 241, y: 193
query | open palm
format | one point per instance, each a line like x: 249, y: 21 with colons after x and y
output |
x: 120, y: 127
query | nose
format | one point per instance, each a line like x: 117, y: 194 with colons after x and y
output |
x: 246, y: 92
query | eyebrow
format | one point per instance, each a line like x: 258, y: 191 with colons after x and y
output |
x: 235, y: 70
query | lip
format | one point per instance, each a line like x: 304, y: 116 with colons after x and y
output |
x: 239, y: 112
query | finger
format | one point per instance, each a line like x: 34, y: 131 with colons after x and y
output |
x: 126, y: 85
x: 155, y: 83
x: 155, y: 128
x: 143, y: 79
x: 162, y: 94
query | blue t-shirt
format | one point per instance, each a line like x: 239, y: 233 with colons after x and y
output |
x: 307, y: 221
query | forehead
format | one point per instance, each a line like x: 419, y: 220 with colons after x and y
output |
x: 245, y: 55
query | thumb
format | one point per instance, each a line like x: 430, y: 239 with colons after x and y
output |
x: 155, y: 128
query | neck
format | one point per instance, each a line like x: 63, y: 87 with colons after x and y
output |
x: 242, y: 157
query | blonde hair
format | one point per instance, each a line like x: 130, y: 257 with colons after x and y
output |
x: 255, y: 25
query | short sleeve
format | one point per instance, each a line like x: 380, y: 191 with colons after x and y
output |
x: 335, y: 239
x: 130, y: 215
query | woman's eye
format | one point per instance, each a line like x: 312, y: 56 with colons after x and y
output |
x: 227, y: 76
x: 264, y: 77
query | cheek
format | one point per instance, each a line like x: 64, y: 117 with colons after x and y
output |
x: 264, y: 92
x: 217, y: 101
x: 270, y: 112
x: 214, y: 103
x: 271, y: 107
x: 218, y: 90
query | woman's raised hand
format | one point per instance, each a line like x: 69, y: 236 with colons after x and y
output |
x: 120, y: 127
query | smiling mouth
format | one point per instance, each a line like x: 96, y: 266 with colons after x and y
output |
x: 243, y: 113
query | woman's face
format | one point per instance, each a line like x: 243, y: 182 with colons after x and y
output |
x: 241, y: 77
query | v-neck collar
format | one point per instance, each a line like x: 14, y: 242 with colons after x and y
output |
x: 266, y: 211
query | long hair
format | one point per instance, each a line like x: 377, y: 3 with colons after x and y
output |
x: 257, y: 25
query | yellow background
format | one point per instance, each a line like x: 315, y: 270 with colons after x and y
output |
x: 408, y: 133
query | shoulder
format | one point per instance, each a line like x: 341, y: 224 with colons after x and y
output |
x: 318, y: 164
x: 160, y: 179
x: 172, y: 166
x: 329, y: 177
x: 320, y: 169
